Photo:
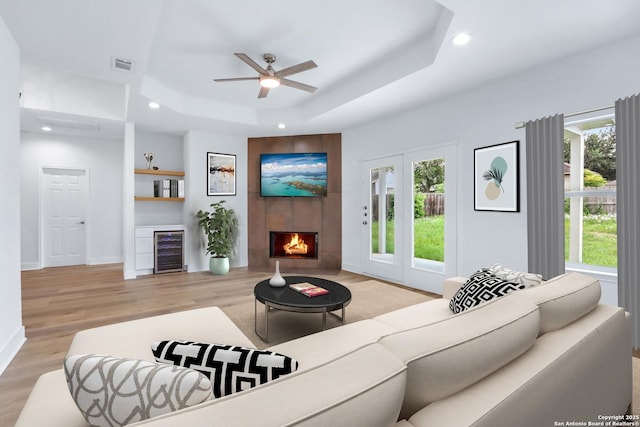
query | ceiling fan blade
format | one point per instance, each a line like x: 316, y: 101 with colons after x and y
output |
x: 264, y: 91
x: 236, y: 79
x: 297, y: 85
x: 304, y: 66
x: 251, y: 63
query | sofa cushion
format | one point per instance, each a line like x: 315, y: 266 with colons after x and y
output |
x: 361, y: 388
x: 111, y: 391
x: 563, y: 299
x: 451, y: 285
x: 527, y: 279
x: 577, y: 373
x: 416, y: 315
x: 229, y: 368
x: 320, y: 348
x: 448, y: 356
x: 481, y: 287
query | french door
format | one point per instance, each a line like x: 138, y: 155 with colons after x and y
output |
x: 430, y: 218
x: 382, y: 210
x: 409, y: 217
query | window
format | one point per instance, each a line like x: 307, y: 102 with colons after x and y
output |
x: 428, y: 213
x: 590, y: 194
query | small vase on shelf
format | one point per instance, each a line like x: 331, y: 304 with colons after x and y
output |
x: 277, y: 280
x: 149, y: 159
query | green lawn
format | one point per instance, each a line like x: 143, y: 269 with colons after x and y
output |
x: 599, y: 246
x: 429, y: 238
x: 599, y: 240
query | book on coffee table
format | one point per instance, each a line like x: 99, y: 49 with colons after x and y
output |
x: 308, y: 289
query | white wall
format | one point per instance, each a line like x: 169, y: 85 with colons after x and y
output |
x: 486, y: 116
x: 11, y: 330
x: 196, y: 146
x: 103, y: 159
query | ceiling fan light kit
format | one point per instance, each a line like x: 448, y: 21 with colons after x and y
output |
x: 269, y: 82
x: 270, y: 78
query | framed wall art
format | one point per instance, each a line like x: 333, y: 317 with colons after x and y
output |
x: 496, y: 177
x: 221, y: 174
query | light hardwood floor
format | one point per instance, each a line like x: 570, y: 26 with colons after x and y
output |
x: 58, y: 302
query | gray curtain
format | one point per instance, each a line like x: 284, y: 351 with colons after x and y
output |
x: 545, y: 195
x: 628, y: 200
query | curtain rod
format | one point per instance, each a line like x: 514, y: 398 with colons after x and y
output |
x: 520, y: 125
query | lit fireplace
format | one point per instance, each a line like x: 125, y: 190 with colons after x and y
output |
x: 296, y: 246
x: 290, y: 244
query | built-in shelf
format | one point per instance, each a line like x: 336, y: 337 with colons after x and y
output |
x: 162, y: 173
x: 158, y: 172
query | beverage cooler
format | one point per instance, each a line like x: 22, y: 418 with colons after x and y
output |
x: 169, y: 251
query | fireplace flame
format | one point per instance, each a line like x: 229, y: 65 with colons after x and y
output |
x: 296, y: 246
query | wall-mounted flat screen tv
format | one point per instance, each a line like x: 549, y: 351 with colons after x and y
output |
x: 293, y: 175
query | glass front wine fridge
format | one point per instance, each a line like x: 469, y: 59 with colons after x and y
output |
x: 169, y: 251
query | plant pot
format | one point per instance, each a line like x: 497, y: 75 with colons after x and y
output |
x: 219, y: 265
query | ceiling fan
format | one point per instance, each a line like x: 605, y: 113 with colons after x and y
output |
x: 270, y: 78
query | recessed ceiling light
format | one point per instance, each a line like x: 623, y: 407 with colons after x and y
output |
x: 46, y: 128
x: 154, y: 105
x: 461, y: 39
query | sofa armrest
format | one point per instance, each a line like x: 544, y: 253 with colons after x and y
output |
x: 50, y: 404
x: 451, y: 286
x: 133, y: 338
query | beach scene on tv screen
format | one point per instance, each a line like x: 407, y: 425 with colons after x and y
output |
x: 294, y: 174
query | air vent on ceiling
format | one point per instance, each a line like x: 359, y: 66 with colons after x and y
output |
x: 121, y: 64
x: 69, y: 124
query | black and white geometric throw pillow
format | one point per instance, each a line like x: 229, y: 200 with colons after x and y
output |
x: 230, y: 368
x: 481, y: 287
x: 527, y: 279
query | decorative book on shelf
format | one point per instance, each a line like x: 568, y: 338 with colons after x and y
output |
x: 308, y: 289
x: 168, y: 188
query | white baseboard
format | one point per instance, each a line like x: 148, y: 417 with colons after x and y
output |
x: 129, y: 273
x: 104, y: 260
x: 192, y: 269
x: 25, y: 266
x: 11, y: 349
x: 353, y: 268
x: 35, y: 265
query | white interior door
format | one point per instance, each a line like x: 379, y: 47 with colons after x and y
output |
x: 64, y: 206
x: 382, y: 217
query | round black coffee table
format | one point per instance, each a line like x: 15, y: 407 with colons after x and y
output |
x: 285, y: 298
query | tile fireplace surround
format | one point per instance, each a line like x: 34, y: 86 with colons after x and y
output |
x: 322, y: 215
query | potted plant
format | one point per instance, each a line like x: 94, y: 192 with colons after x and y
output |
x: 220, y: 228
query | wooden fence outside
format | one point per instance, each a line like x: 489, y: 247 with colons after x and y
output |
x: 434, y: 204
x: 602, y: 204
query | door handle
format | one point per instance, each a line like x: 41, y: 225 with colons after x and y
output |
x: 80, y: 222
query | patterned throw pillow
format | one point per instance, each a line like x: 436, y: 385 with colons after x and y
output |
x: 481, y: 287
x: 527, y: 279
x: 111, y: 391
x: 230, y: 368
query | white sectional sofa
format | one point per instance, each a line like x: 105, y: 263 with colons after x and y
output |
x: 546, y: 354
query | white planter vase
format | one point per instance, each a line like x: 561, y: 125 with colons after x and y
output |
x: 219, y: 266
x: 277, y: 280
